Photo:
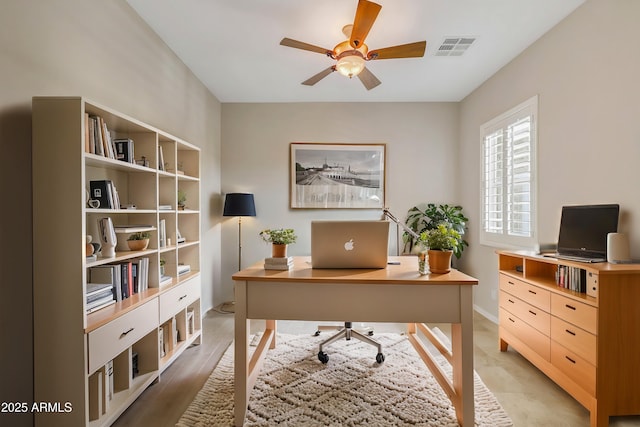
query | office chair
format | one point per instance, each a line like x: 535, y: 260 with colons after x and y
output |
x: 347, y: 332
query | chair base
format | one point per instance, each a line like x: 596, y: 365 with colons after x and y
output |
x: 347, y: 332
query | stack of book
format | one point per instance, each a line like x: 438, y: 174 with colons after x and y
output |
x: 99, y: 295
x: 283, y: 263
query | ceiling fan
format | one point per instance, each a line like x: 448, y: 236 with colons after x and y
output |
x: 351, y: 54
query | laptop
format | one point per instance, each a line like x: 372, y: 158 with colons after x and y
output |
x: 349, y: 244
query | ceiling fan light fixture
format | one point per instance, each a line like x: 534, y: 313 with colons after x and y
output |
x: 350, y: 65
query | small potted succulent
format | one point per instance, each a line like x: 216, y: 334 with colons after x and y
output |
x: 138, y: 241
x: 279, y: 239
x: 182, y: 198
x: 441, y: 242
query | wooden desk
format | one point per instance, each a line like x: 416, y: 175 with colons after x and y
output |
x: 395, y: 294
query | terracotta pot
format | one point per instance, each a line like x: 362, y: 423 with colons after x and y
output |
x: 440, y: 261
x: 278, y: 251
x: 138, y: 245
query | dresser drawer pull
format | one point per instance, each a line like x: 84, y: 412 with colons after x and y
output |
x: 570, y: 332
x: 570, y: 307
x: 510, y: 282
x: 513, y: 321
x: 570, y: 360
x: 532, y: 292
x: 122, y: 335
x: 182, y: 297
x: 533, y: 312
x: 511, y: 301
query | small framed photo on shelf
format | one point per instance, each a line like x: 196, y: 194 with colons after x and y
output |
x: 337, y: 176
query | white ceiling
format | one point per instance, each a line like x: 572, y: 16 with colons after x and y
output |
x: 232, y: 46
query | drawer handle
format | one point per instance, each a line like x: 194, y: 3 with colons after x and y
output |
x: 511, y: 319
x: 511, y: 301
x: 570, y: 307
x: 533, y: 312
x: 532, y: 292
x: 570, y: 332
x: 122, y: 335
x: 570, y: 360
x: 510, y: 282
x: 182, y: 297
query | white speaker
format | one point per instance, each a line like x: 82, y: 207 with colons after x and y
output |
x: 617, y: 247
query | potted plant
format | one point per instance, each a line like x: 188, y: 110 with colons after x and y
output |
x: 138, y: 241
x: 279, y: 239
x: 441, y: 242
x: 421, y: 220
x: 182, y: 198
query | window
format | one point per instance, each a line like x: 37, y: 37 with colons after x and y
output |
x: 508, y: 181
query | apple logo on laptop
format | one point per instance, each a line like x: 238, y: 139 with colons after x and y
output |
x: 348, y: 246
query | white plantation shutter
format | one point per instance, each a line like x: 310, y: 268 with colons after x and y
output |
x: 508, y: 177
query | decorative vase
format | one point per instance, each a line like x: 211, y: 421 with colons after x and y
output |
x: 440, y: 261
x: 423, y: 263
x: 138, y: 245
x: 278, y: 251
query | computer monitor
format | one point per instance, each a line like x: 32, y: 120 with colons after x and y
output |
x: 584, y: 229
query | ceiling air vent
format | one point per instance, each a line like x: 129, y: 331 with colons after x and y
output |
x: 454, y: 46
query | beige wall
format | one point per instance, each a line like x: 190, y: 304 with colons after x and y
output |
x: 421, y: 166
x: 101, y: 50
x: 586, y: 75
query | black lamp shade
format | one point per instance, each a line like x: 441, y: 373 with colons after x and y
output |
x: 239, y: 204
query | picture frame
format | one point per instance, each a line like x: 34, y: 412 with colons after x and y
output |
x: 337, y: 176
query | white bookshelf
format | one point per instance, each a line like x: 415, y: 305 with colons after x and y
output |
x: 72, y: 349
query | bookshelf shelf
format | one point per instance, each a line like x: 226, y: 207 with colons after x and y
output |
x: 136, y: 172
x: 580, y: 330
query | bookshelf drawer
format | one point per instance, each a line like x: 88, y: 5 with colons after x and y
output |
x: 532, y: 315
x: 582, y: 315
x: 574, y: 366
x: 106, y: 342
x: 575, y: 339
x: 178, y: 298
x: 536, y: 340
x: 532, y: 294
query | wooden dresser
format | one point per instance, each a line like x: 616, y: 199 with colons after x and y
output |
x: 586, y: 340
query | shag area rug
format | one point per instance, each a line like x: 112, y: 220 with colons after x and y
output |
x: 295, y: 389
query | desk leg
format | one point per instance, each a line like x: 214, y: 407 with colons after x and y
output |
x: 241, y: 354
x: 462, y: 353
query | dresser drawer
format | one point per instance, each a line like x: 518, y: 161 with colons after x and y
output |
x: 534, y: 295
x: 536, y: 340
x: 575, y: 339
x: 541, y: 320
x: 109, y: 340
x: 575, y: 312
x: 574, y: 366
x: 178, y: 298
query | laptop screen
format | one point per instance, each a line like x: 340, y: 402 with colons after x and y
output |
x: 349, y: 244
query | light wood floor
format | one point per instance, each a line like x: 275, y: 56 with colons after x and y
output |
x: 528, y: 396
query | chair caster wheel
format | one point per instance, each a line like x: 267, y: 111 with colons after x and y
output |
x: 323, y: 357
x: 317, y: 334
x: 379, y: 357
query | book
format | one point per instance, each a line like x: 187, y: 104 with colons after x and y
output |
x: 165, y: 280
x: 278, y: 263
x: 108, y: 274
x: 183, y: 269
x: 124, y: 150
x: 101, y: 191
x: 100, y: 304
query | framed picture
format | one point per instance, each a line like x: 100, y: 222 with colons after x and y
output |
x: 330, y: 176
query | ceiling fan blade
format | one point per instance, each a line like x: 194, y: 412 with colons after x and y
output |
x: 366, y: 15
x: 368, y: 79
x: 304, y: 46
x: 410, y: 50
x: 321, y: 75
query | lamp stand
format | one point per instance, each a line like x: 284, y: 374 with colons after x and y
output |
x: 230, y: 306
